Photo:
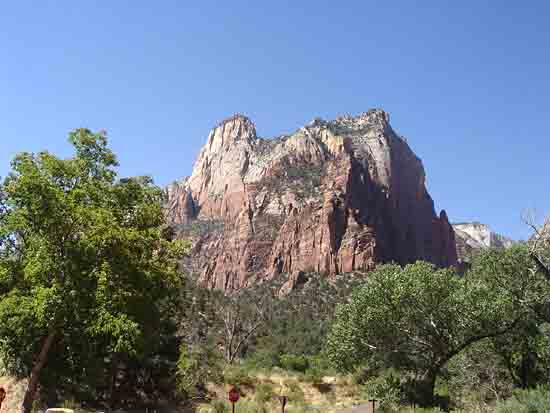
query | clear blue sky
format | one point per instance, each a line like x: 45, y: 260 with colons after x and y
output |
x: 466, y: 82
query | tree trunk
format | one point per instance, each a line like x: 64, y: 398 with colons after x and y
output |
x: 425, y: 388
x: 112, y: 383
x: 32, y: 386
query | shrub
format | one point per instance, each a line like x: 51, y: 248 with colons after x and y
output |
x: 293, y: 362
x: 386, y: 388
x: 196, y: 366
x: 237, y: 376
x: 294, y: 392
x: 319, y: 366
x: 314, y: 375
x: 219, y: 406
x: 263, y: 359
x: 264, y: 393
x: 527, y: 401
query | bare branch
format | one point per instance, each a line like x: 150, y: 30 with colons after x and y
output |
x: 539, y: 243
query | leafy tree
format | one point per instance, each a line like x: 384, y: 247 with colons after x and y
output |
x: 416, y: 319
x: 198, y: 365
x: 86, y: 271
x: 477, y: 376
x: 524, y: 349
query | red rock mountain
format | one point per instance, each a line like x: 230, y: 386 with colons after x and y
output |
x: 332, y: 197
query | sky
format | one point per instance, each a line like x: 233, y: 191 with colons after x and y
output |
x: 467, y: 83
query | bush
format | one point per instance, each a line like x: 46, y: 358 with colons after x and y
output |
x: 294, y: 392
x: 386, y: 388
x: 263, y: 359
x: 314, y: 375
x: 219, y: 406
x: 237, y: 376
x: 293, y: 362
x: 527, y: 401
x: 319, y: 366
x: 264, y: 393
x: 252, y: 406
x: 196, y: 366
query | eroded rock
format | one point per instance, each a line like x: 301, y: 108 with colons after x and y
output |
x: 335, y: 196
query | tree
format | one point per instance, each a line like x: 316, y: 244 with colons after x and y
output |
x: 84, y: 263
x: 242, y: 315
x: 197, y: 366
x: 416, y: 319
x: 539, y: 244
x: 512, y: 272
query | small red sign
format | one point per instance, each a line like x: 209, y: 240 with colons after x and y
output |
x: 234, y: 395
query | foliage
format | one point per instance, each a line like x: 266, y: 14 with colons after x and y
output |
x: 237, y: 376
x: 86, y: 274
x: 416, y: 319
x: 303, y: 180
x: 295, y: 324
x: 294, y: 362
x: 199, y: 228
x: 527, y: 401
x: 385, y: 387
x: 298, y: 323
x: 477, y: 376
x: 219, y: 406
x: 264, y: 393
x: 294, y: 392
x: 198, y: 365
x: 318, y: 366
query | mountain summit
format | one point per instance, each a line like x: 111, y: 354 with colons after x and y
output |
x: 334, y: 196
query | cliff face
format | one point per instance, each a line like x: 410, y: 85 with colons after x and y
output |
x: 335, y: 196
x: 472, y: 237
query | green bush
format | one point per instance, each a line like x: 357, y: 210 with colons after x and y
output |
x: 263, y: 359
x: 196, y: 366
x: 295, y: 393
x: 527, y: 401
x: 293, y: 362
x: 386, y: 388
x: 264, y: 393
x: 219, y: 406
x: 319, y: 367
x: 252, y: 406
x: 314, y: 375
x: 237, y: 376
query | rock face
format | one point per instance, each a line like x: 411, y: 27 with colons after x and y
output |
x: 332, y: 197
x: 475, y: 236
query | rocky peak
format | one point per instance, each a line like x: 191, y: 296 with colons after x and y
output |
x: 236, y: 128
x: 472, y: 237
x: 335, y: 196
x: 374, y: 118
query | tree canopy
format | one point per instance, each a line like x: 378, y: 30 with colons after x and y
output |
x: 417, y: 318
x: 85, y: 266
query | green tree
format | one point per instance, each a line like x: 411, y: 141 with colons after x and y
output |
x: 416, y: 319
x: 84, y: 263
x: 523, y: 349
x: 198, y: 365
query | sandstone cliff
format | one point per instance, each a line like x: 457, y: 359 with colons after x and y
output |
x: 472, y: 237
x: 332, y: 197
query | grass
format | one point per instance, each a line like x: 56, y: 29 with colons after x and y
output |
x: 261, y: 388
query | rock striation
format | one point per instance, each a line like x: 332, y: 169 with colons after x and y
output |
x: 334, y: 196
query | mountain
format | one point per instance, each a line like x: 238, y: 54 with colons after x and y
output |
x: 334, y: 196
x: 475, y: 236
